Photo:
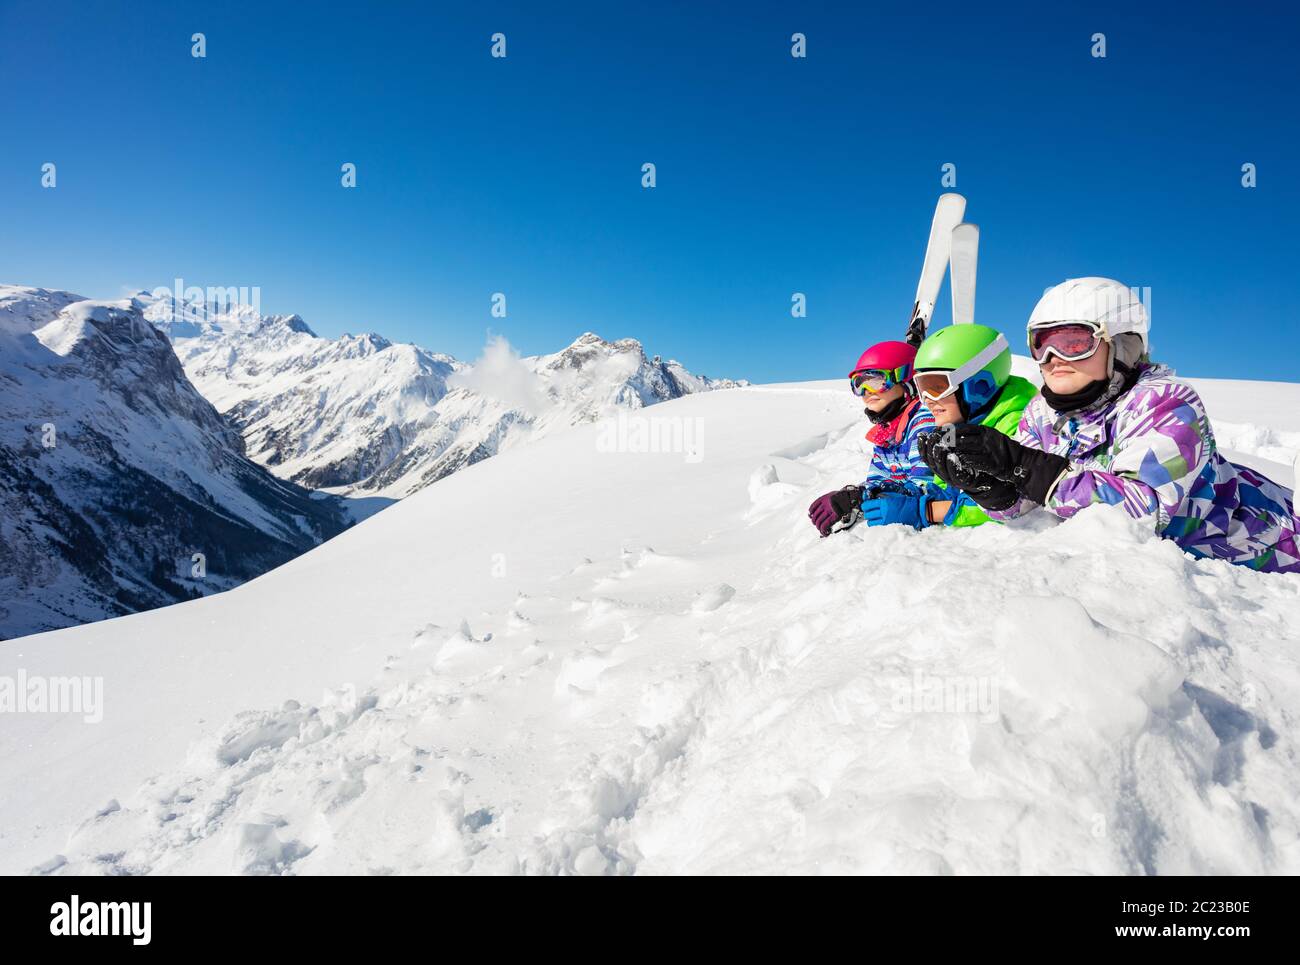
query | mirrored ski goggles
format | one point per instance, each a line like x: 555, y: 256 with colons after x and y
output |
x: 1070, y: 341
x: 936, y: 386
x: 876, y: 381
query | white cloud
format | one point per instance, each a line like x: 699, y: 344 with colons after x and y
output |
x: 499, y: 373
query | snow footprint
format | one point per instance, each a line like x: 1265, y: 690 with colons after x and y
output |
x: 451, y: 647
x: 712, y: 598
x: 259, y: 850
x: 580, y: 671
x: 766, y: 491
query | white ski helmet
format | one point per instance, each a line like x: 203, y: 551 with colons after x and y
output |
x: 1116, y: 308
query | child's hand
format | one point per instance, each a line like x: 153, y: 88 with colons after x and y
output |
x: 839, y: 506
x: 940, y: 451
x: 982, y: 450
x: 889, y: 508
x: 934, y: 447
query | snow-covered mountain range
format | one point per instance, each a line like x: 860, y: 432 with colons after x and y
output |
x: 138, y: 435
x: 649, y: 664
x: 360, y: 415
x: 123, y: 488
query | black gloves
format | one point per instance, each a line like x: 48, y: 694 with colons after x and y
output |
x: 934, y: 451
x: 1032, y: 471
x: 975, y: 453
x: 937, y: 450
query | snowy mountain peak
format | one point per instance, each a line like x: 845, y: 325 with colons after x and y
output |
x: 293, y: 323
x: 24, y: 309
x: 179, y: 318
x: 588, y: 342
x: 366, y: 342
x: 358, y: 414
x: 107, y: 328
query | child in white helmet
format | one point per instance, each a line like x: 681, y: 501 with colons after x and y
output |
x: 1112, y: 427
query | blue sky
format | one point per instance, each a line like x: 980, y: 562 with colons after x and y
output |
x: 775, y: 175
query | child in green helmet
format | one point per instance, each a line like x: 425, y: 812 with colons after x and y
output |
x: 963, y: 375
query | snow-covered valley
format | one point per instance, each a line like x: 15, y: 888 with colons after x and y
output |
x: 576, y: 658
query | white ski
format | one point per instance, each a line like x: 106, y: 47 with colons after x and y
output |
x: 965, y: 256
x: 948, y: 213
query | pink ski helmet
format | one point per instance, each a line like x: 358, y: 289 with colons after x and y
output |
x: 895, y: 359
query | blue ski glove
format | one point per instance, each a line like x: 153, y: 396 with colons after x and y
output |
x: 888, y: 508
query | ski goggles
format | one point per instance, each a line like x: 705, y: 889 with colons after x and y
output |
x: 875, y: 381
x: 936, y: 386
x: 1069, y: 341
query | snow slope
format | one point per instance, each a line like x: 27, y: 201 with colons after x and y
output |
x: 577, y: 660
x: 362, y: 416
x: 1256, y: 423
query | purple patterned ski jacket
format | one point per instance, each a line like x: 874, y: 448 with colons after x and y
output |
x: 1153, y: 451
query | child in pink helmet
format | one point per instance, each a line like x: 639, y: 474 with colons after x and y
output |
x: 883, y: 379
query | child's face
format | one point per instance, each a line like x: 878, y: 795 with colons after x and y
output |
x: 1065, y: 378
x: 945, y: 411
x: 877, y: 402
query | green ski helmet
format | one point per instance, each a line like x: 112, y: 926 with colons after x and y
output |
x: 976, y: 358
